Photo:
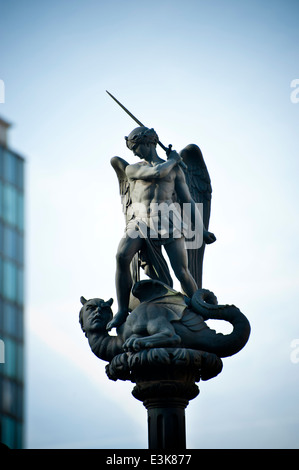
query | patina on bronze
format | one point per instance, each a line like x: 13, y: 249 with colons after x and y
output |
x: 162, y: 343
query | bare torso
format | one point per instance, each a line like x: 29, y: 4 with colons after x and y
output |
x: 153, y: 191
x: 153, y: 181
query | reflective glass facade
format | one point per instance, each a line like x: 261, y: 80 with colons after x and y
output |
x: 11, y: 297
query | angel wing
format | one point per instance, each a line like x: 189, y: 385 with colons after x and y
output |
x: 199, y: 183
x: 119, y: 165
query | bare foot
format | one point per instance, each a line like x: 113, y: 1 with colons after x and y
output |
x: 118, y: 319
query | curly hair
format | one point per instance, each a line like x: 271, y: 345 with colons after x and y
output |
x: 141, y: 135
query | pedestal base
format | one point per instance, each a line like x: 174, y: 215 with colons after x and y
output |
x: 166, y: 423
x: 165, y: 381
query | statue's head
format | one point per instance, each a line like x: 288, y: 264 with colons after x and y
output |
x: 94, y: 315
x: 141, y: 136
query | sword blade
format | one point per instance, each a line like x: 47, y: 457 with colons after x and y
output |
x: 182, y: 164
x: 126, y: 110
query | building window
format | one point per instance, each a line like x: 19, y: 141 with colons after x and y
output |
x: 8, y: 433
x: 12, y: 400
x: 1, y: 199
x: 20, y: 174
x: 10, y: 365
x: 19, y: 332
x: 9, y: 280
x: 1, y: 237
x: 10, y: 243
x: 1, y: 160
x: 10, y: 204
x: 20, y: 248
x: 20, y: 362
x: 10, y: 167
x: 1, y: 317
x: 9, y: 397
x: 9, y: 319
x: 14, y: 359
x: 1, y: 276
x: 20, y: 286
x: 20, y: 211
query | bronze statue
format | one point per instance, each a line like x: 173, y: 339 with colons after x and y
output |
x: 162, y: 341
x: 152, y: 191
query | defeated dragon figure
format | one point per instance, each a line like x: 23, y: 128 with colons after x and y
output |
x: 163, y: 318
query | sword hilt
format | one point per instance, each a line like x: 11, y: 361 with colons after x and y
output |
x: 168, y: 150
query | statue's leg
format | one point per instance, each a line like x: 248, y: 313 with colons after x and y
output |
x: 178, y: 258
x: 127, y: 248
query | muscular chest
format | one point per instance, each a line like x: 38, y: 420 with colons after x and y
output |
x: 157, y: 189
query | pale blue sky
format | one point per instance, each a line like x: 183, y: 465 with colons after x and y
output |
x: 215, y: 73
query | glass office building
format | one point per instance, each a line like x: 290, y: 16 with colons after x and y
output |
x: 11, y: 293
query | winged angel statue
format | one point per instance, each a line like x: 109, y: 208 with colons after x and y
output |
x: 166, y: 204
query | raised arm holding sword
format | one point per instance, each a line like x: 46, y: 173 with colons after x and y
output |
x: 152, y: 183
